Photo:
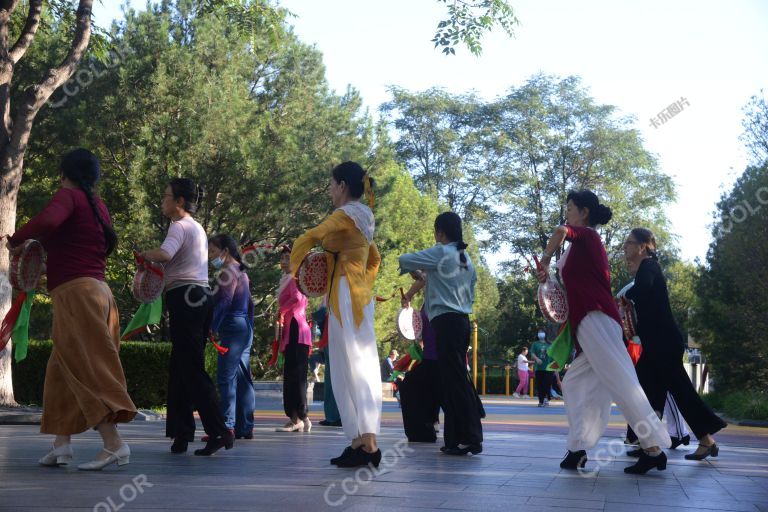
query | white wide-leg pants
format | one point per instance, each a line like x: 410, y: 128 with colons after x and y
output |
x: 355, y: 367
x: 603, y: 373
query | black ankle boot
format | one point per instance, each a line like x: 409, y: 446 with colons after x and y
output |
x: 360, y: 457
x: 343, y: 455
x: 179, y: 445
x: 574, y: 460
x: 213, y: 445
x: 647, y: 462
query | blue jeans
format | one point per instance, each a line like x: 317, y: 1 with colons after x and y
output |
x: 238, y: 399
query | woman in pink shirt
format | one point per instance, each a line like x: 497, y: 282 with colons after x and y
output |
x: 602, y: 371
x: 190, y: 311
x: 295, y: 345
x: 84, y: 381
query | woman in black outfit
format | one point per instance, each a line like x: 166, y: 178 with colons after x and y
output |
x: 660, y: 368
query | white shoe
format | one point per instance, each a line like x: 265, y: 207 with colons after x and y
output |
x: 515, y: 395
x: 291, y: 427
x: 121, y: 456
x: 60, y: 456
x: 307, y: 425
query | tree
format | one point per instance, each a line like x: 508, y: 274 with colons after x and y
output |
x: 730, y: 319
x: 449, y: 146
x: 17, y: 121
x: 468, y: 20
x: 557, y: 139
x: 755, y: 125
x: 249, y: 117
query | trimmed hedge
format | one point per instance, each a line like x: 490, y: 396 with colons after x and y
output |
x: 145, y: 365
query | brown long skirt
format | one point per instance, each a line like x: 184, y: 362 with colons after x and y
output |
x: 84, y: 380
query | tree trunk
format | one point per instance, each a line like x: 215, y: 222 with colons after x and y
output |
x: 14, y: 133
x: 7, y: 224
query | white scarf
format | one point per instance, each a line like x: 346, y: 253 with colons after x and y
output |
x: 362, y: 216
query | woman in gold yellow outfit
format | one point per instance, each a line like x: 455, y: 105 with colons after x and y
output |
x: 353, y: 262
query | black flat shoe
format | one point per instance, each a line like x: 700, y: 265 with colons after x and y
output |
x: 474, y: 449
x: 179, y: 445
x: 647, y: 462
x: 677, y: 441
x: 635, y: 453
x: 249, y: 435
x: 343, y: 455
x: 574, y: 460
x: 227, y: 441
x: 713, y: 451
x: 327, y: 423
x: 360, y: 457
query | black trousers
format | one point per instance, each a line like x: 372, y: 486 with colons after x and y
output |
x: 420, y: 396
x: 544, y: 385
x: 460, y: 403
x: 189, y: 386
x: 662, y: 371
x: 295, y: 365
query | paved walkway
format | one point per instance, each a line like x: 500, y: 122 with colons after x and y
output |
x: 284, y: 472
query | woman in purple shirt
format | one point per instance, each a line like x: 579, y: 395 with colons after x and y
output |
x: 232, y: 325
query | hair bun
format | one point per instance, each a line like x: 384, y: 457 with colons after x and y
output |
x: 603, y: 214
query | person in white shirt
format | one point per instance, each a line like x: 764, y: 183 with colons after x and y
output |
x: 522, y: 374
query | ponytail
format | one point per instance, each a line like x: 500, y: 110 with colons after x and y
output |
x: 462, y: 257
x: 83, y: 168
x: 450, y: 224
x: 110, y: 237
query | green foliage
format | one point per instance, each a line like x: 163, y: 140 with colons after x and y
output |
x: 681, y: 283
x: 730, y: 319
x: 739, y: 405
x: 755, y: 123
x: 468, y: 20
x: 557, y: 139
x: 145, y: 366
x: 250, y: 117
x: 450, y: 146
x: 518, y: 310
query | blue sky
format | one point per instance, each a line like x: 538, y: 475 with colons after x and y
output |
x: 640, y: 56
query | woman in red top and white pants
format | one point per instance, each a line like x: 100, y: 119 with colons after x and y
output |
x: 602, y: 371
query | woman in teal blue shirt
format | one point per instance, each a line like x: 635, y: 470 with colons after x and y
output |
x: 449, y: 295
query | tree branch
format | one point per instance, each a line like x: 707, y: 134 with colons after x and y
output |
x: 29, y: 31
x: 37, y: 95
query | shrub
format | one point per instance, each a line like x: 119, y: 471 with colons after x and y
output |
x: 145, y: 365
x: 741, y: 405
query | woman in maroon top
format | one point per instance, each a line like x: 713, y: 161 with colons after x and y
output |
x: 84, y: 381
x: 602, y: 371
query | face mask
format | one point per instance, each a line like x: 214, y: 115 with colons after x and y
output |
x: 217, y: 263
x: 542, y: 336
